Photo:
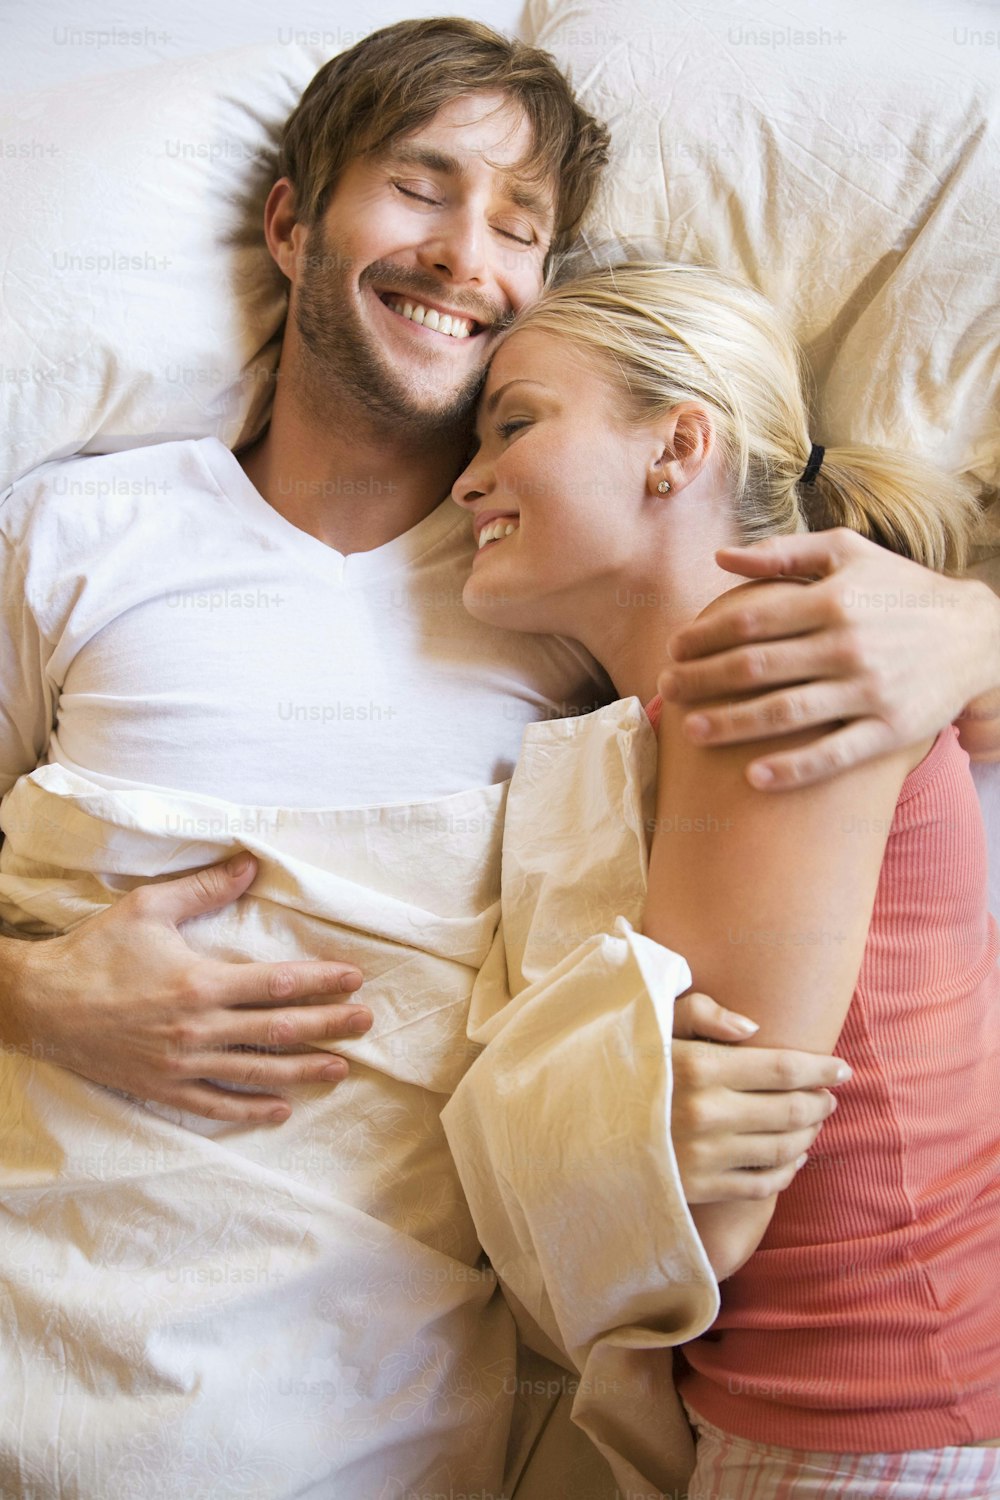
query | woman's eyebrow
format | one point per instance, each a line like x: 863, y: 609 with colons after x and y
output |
x: 493, y: 401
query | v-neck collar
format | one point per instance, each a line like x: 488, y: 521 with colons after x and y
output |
x: 231, y: 481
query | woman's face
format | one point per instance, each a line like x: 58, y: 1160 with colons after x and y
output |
x: 558, y: 482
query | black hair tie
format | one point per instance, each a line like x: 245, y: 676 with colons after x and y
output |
x: 814, y: 464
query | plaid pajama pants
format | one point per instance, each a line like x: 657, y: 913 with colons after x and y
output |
x: 729, y: 1468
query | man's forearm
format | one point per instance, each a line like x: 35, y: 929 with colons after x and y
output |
x: 15, y: 1026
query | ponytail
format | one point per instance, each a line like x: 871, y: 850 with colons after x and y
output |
x: 907, y: 506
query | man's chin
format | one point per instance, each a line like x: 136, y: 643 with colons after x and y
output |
x: 345, y: 369
x: 428, y: 411
x: 440, y: 394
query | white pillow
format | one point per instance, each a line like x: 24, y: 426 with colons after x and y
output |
x: 138, y: 298
x: 844, y: 160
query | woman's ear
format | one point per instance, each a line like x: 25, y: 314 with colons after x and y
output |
x: 685, y: 440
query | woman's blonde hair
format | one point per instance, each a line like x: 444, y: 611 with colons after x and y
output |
x: 672, y: 333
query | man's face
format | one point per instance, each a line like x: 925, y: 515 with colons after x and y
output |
x: 441, y: 226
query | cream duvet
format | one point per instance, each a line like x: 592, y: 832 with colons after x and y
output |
x: 196, y: 1309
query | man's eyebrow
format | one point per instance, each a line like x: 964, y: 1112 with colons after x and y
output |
x: 520, y: 193
x: 425, y: 156
x: 523, y: 196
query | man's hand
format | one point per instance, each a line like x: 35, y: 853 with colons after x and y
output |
x: 742, y: 1118
x: 123, y: 1000
x: 882, y: 649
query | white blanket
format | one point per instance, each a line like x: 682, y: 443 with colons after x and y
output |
x: 195, y: 1309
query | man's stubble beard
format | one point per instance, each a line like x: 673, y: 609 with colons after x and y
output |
x: 342, y: 365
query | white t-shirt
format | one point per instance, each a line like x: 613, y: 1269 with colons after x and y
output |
x: 162, y: 625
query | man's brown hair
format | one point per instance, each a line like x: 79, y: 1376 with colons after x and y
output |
x: 397, y: 79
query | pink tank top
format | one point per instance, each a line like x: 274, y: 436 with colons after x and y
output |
x: 868, y: 1320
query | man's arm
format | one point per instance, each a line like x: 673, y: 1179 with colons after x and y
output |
x: 123, y: 1000
x: 886, y: 651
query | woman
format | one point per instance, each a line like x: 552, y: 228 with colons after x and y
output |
x: 634, y: 422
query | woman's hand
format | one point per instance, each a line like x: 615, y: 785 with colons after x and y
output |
x: 742, y: 1118
x: 882, y: 649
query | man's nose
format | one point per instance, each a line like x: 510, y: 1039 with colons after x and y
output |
x: 459, y: 251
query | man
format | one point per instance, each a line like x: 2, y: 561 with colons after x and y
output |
x: 427, y: 176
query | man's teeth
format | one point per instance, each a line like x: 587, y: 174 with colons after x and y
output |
x: 497, y: 529
x: 429, y: 317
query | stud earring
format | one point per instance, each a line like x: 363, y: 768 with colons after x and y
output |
x: 663, y: 488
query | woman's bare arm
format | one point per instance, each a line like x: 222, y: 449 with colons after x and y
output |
x: 770, y: 901
x: 979, y: 728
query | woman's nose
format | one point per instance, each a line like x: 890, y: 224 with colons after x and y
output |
x: 471, y: 485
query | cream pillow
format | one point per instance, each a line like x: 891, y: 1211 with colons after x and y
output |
x: 138, y: 299
x: 843, y: 159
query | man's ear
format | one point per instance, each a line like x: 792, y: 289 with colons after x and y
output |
x: 284, y: 234
x: 685, y: 441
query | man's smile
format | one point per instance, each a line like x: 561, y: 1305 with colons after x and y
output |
x: 441, y: 312
x: 431, y: 315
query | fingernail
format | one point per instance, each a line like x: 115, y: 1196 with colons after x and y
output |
x: 359, y: 1023
x: 277, y: 1115
x: 333, y: 1071
x: 239, y: 864
x: 760, y: 775
x: 844, y: 1072
x: 697, y: 727
x: 351, y: 982
x: 802, y: 1160
x: 742, y: 1023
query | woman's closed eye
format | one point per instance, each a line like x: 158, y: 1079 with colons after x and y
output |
x: 513, y: 424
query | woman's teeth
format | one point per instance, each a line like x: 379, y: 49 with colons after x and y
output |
x: 496, y: 530
x: 429, y: 317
